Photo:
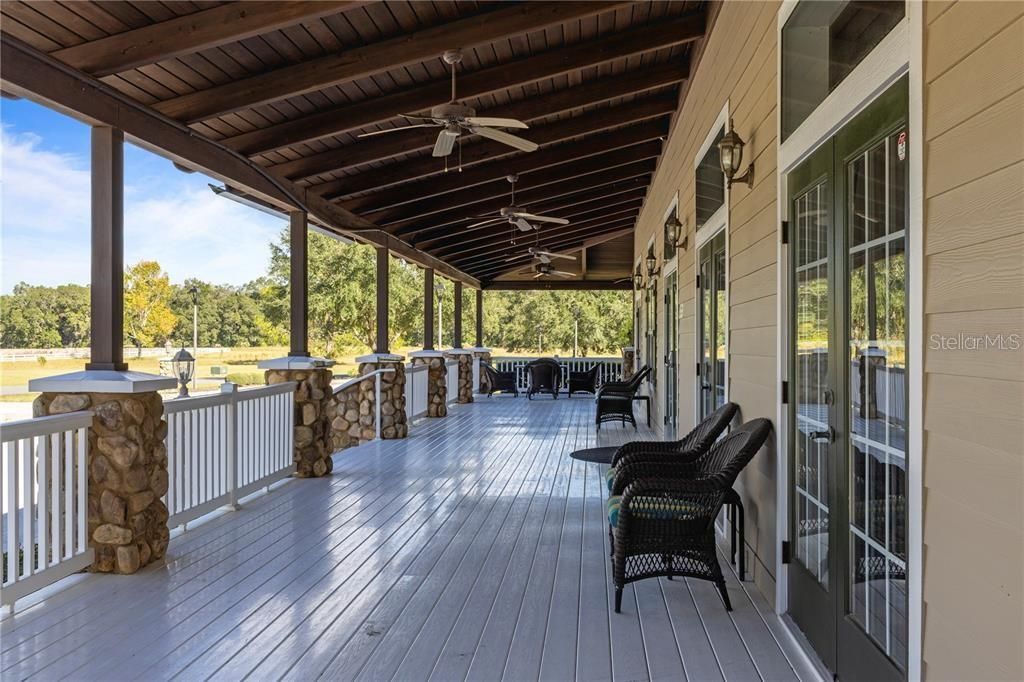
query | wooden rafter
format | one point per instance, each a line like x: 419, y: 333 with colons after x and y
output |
x: 525, y: 197
x: 523, y: 165
x: 189, y: 33
x: 334, y: 120
x: 359, y: 62
x: 557, y: 285
x: 480, y: 152
x: 501, y: 188
x: 497, y: 261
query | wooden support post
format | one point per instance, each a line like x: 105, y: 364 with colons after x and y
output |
x: 479, y: 318
x: 382, y: 301
x: 457, y: 329
x: 428, y: 309
x: 299, y: 285
x: 107, y: 290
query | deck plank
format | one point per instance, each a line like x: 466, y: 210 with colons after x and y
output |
x: 475, y: 549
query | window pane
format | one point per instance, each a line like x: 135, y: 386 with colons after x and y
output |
x: 710, y: 183
x: 822, y: 42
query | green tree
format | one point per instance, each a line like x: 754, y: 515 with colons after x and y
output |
x: 228, y: 316
x: 45, y: 317
x: 148, y: 318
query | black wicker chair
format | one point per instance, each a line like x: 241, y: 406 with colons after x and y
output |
x: 663, y: 513
x: 584, y: 382
x: 615, y: 399
x: 545, y: 377
x: 499, y: 381
x: 692, y: 445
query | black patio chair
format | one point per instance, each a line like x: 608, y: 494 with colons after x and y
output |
x: 504, y: 382
x: 687, y: 449
x: 663, y: 513
x: 545, y: 377
x: 615, y: 399
x: 584, y: 382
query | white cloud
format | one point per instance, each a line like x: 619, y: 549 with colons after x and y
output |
x: 172, y: 218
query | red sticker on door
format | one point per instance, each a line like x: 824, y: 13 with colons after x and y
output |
x: 901, y: 146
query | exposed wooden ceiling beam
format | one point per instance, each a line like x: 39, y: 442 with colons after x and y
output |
x: 408, y: 140
x: 445, y: 246
x: 366, y: 60
x: 556, y: 285
x: 515, y: 263
x: 193, y: 32
x: 472, y: 154
x: 473, y: 84
x: 523, y: 165
x: 501, y: 188
x: 524, y: 197
x: 500, y: 247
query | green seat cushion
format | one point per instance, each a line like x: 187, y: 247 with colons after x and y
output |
x: 651, y: 508
x: 609, y: 477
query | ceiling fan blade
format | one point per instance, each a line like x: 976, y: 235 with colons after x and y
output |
x: 562, y: 273
x: 495, y: 122
x: 543, y: 218
x: 397, y: 129
x: 445, y: 143
x: 543, y: 258
x: 523, y: 225
x: 539, y: 274
x: 505, y: 138
x: 484, y: 222
x: 414, y: 117
x: 549, y: 254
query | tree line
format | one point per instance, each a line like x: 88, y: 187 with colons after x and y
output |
x: 342, y: 309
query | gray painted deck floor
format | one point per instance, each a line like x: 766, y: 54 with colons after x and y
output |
x: 475, y: 549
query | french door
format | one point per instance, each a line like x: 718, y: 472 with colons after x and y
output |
x: 848, y: 387
x: 712, y: 352
x: 671, y: 349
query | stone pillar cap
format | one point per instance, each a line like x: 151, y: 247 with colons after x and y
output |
x: 295, y: 362
x: 426, y: 353
x: 459, y: 351
x: 380, y: 357
x: 480, y: 349
x: 102, y: 381
x: 629, y: 348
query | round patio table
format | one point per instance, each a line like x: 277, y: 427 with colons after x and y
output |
x: 600, y: 455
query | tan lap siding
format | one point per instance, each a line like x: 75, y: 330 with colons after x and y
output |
x: 738, y: 65
x: 974, y: 284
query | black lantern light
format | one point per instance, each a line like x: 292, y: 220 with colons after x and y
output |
x: 638, y: 280
x: 183, y: 365
x: 675, y: 232
x: 652, y: 265
x: 730, y: 148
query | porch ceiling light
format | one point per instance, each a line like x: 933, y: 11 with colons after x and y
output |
x: 183, y: 365
x: 730, y: 148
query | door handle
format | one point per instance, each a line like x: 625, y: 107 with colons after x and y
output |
x: 828, y: 396
x: 705, y: 387
x: 826, y: 436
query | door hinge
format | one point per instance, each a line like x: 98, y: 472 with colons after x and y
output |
x: 698, y: 369
x: 785, y: 392
x: 784, y: 230
x: 785, y: 551
x: 698, y: 281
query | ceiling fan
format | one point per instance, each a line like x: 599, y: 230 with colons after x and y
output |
x: 454, y: 119
x: 517, y: 216
x: 542, y: 256
x: 548, y: 270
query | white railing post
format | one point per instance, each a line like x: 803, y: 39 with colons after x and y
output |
x: 231, y: 436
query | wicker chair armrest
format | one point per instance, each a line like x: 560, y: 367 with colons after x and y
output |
x: 699, y: 500
x: 685, y: 459
x: 652, y: 446
x: 662, y: 469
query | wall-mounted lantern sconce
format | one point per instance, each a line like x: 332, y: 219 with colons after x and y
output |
x: 638, y: 280
x: 675, y: 233
x: 652, y: 266
x: 730, y: 148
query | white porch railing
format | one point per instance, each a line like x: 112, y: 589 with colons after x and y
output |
x: 416, y: 391
x: 611, y: 368
x: 453, y: 380
x: 225, y: 446
x: 44, y: 489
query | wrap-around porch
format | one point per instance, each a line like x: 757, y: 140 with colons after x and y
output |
x: 474, y: 549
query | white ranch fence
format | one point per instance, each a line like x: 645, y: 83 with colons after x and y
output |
x: 44, y: 489
x: 611, y: 369
x: 224, y: 446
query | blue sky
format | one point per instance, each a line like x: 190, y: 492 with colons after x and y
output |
x: 170, y: 216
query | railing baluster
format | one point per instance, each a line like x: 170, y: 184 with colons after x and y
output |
x: 42, y: 499
x: 69, y: 493
x: 56, y: 514
x: 27, y: 495
x: 12, y: 510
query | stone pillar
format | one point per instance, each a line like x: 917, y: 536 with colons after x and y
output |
x: 313, y: 442
x: 393, y: 420
x: 465, y: 388
x: 437, y: 380
x: 127, y: 474
x: 343, y: 411
x: 628, y: 362
x: 483, y: 355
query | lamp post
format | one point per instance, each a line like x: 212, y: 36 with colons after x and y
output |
x: 183, y: 364
x: 439, y: 288
x: 576, y: 312
x: 194, y: 291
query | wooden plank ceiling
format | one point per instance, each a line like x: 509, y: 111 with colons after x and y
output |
x: 292, y: 85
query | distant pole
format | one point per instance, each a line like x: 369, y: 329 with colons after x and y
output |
x: 428, y: 309
x: 440, y: 318
x: 576, y: 331
x: 195, y: 331
x: 479, y: 318
x: 457, y: 327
